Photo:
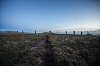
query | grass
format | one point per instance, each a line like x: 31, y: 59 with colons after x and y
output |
x: 69, y: 50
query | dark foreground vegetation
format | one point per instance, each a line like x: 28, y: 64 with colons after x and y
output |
x: 27, y: 50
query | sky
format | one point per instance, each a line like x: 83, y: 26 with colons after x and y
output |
x: 45, y: 15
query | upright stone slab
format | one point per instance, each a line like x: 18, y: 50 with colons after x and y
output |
x: 66, y: 32
x: 35, y: 32
x: 73, y: 32
x: 81, y: 33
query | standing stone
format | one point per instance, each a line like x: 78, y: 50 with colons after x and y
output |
x: 35, y: 32
x: 81, y: 33
x: 87, y: 32
x: 50, y: 33
x: 73, y: 32
x: 17, y: 32
x: 66, y: 32
x: 22, y: 32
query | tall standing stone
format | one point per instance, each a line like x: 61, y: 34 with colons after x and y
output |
x: 35, y: 32
x: 73, y: 32
x: 81, y: 33
x: 66, y: 32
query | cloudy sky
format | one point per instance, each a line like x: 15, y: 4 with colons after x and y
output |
x: 45, y: 15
